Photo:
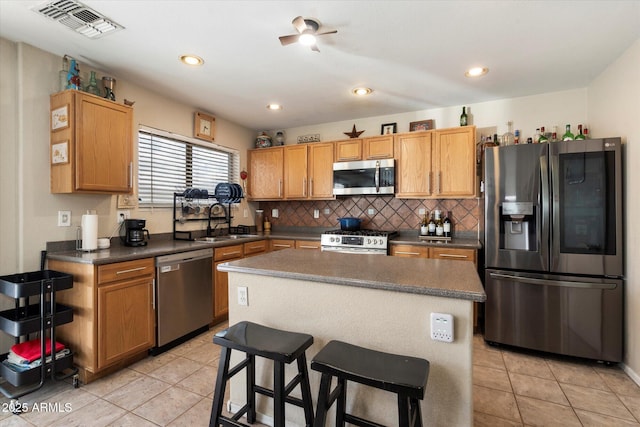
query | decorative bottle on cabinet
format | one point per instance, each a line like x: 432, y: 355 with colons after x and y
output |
x: 568, y: 136
x: 463, y: 117
x: 92, y: 87
x: 580, y: 135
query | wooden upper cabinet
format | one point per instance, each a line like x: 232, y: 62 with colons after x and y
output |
x: 266, y: 172
x: 413, y: 164
x: 295, y: 171
x: 454, y: 162
x: 348, y: 150
x: 436, y: 164
x: 380, y: 147
x: 308, y: 171
x: 97, y: 135
x: 374, y: 148
x: 320, y: 167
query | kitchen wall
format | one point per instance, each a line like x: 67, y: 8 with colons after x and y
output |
x: 29, y: 210
x: 614, y: 110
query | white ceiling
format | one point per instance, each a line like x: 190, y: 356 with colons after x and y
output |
x: 412, y: 53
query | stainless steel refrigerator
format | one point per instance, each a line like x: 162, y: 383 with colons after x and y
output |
x: 554, y: 247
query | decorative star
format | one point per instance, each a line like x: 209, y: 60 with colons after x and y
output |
x: 354, y: 133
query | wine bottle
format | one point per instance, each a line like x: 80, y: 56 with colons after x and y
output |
x: 543, y: 138
x: 424, y: 225
x: 516, y: 138
x: 463, y: 117
x: 432, y: 226
x: 580, y: 135
x: 586, y: 133
x: 536, y: 137
x: 568, y: 136
x: 446, y: 225
x: 439, y: 225
x: 554, y: 134
x: 508, y: 138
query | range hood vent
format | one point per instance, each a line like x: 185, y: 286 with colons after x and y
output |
x: 79, y: 18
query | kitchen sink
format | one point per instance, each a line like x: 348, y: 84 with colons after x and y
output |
x: 223, y: 238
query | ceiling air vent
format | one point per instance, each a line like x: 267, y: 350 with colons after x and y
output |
x: 79, y: 18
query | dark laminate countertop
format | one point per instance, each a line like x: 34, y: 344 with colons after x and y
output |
x: 441, y: 278
x: 164, y: 245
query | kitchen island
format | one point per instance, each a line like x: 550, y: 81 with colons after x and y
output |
x: 379, y: 302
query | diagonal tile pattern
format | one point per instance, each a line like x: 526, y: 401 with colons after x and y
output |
x: 377, y: 212
x: 511, y: 388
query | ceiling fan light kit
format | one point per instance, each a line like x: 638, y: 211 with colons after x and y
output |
x: 307, y: 33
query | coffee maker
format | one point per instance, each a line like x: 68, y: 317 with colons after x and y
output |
x: 134, y: 232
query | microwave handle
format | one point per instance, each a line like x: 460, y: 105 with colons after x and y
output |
x: 377, y: 176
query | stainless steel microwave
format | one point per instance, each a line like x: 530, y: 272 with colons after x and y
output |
x: 364, y: 177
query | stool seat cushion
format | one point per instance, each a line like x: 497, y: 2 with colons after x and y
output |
x: 395, y: 373
x: 274, y: 344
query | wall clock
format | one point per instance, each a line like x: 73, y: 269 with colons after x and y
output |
x: 205, y: 126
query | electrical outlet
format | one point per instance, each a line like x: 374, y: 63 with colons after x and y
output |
x: 64, y: 218
x: 123, y: 214
x: 422, y: 211
x: 316, y: 213
x: 327, y: 211
x: 243, y: 295
x: 245, y: 214
x: 371, y: 211
x: 442, y: 327
x: 274, y: 213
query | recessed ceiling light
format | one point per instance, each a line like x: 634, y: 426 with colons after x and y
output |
x: 362, y: 91
x: 274, y: 107
x: 476, y: 72
x: 191, y: 60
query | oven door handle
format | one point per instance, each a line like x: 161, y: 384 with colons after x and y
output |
x: 559, y: 283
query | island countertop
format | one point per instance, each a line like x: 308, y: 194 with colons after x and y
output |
x: 436, y: 277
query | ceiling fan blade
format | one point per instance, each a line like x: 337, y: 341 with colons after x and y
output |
x: 314, y: 47
x: 326, y: 32
x: 285, y: 40
x: 299, y: 24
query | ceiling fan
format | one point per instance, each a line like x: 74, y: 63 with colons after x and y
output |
x: 308, y: 30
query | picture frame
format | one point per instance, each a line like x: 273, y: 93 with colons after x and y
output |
x: 204, y: 126
x: 60, y: 153
x: 421, y: 125
x: 60, y: 117
x: 388, y: 128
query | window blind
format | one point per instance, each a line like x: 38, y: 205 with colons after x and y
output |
x: 169, y: 163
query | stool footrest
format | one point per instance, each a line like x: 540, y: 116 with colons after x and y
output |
x: 239, y: 367
x: 269, y: 393
x: 357, y: 421
x: 228, y: 422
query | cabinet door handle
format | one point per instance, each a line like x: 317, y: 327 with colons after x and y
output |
x: 438, y: 187
x: 406, y: 253
x: 231, y: 253
x: 308, y: 247
x: 280, y: 188
x: 255, y: 247
x: 311, y: 187
x: 452, y: 256
x: 131, y: 270
x: 153, y: 288
x: 304, y: 187
x: 130, y: 174
x: 429, y: 183
x: 278, y: 245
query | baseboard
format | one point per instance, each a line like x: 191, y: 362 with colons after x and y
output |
x: 632, y: 374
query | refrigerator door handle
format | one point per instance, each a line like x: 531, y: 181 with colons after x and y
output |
x: 545, y: 207
x: 560, y: 283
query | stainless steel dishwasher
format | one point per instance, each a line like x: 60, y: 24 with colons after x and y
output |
x: 184, y: 297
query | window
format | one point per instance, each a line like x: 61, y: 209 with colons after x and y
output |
x: 169, y: 163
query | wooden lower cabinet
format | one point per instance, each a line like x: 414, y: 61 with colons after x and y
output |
x: 410, y: 251
x: 254, y: 248
x: 308, y: 244
x: 126, y: 323
x: 279, y: 244
x: 113, y: 314
x: 221, y: 280
x: 454, y: 254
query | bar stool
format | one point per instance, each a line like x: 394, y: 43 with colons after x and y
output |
x: 282, y: 347
x: 402, y: 375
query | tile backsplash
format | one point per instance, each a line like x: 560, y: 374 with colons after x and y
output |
x: 376, y: 212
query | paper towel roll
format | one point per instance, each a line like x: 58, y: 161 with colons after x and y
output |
x: 89, y: 232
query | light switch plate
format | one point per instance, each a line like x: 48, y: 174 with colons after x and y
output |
x: 64, y: 218
x: 442, y: 327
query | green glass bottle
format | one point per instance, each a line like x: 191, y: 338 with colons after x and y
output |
x: 463, y: 117
x: 580, y: 135
x: 568, y: 136
x: 92, y: 87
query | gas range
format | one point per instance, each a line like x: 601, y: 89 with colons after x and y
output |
x: 361, y: 241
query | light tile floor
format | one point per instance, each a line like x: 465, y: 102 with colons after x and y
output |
x: 176, y: 389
